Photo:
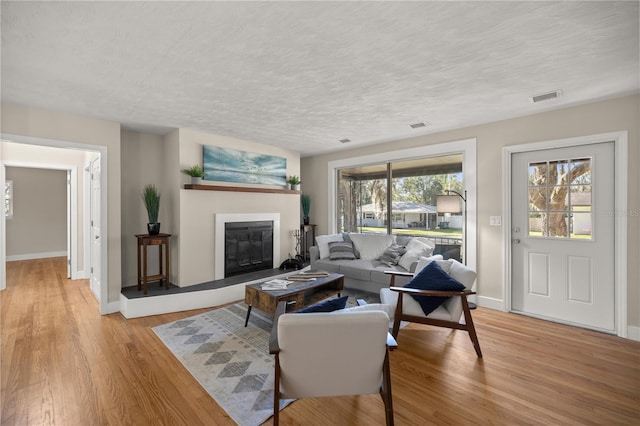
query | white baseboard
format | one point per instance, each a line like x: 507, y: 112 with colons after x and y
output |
x: 633, y: 333
x: 491, y: 303
x: 30, y: 256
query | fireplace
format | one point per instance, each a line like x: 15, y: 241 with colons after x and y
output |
x: 248, y: 247
x: 222, y: 220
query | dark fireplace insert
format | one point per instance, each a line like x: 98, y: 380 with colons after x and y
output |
x: 248, y: 247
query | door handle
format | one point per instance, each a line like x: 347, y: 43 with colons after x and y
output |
x: 516, y: 241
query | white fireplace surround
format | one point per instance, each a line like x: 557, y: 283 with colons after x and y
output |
x: 220, y: 219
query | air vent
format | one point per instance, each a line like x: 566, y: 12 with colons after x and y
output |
x: 345, y: 140
x: 546, y: 96
x: 418, y: 125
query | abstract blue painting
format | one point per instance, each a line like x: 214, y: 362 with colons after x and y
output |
x: 231, y: 165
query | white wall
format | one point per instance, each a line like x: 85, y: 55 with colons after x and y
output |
x: 621, y: 114
x: 38, y: 227
x: 195, y: 237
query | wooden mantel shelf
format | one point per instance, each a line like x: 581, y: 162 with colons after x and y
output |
x: 240, y: 189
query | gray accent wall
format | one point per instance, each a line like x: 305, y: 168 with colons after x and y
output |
x: 38, y: 227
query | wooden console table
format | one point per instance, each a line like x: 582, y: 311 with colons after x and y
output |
x: 144, y: 241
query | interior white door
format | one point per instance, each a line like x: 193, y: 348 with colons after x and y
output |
x: 563, y: 235
x: 69, y: 207
x: 94, y: 217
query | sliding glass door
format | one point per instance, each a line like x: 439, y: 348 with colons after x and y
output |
x: 399, y: 197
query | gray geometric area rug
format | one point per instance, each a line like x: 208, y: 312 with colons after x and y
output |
x: 231, y: 361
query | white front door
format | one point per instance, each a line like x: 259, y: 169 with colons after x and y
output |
x: 94, y: 217
x: 563, y: 235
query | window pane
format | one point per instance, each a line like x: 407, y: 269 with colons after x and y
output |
x: 538, y: 199
x: 581, y: 225
x: 581, y: 198
x: 535, y: 224
x: 558, y: 171
x: 558, y: 198
x: 558, y: 226
x: 537, y: 174
x: 581, y: 171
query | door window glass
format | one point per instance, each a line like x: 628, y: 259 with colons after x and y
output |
x: 8, y: 199
x: 560, y: 199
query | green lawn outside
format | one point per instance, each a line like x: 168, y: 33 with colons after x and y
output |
x: 444, y: 233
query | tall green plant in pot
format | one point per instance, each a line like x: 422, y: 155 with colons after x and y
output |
x: 305, y: 202
x: 151, y: 199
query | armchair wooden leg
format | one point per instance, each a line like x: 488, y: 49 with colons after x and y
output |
x: 276, y: 393
x: 471, y: 329
x: 385, y: 391
x: 397, y: 317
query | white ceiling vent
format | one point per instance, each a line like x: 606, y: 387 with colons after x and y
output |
x: 546, y: 96
x: 345, y: 140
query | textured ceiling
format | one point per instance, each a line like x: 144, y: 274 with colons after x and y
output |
x: 303, y: 75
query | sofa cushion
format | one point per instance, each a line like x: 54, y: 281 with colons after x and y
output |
x: 415, y: 250
x: 392, y: 254
x: 328, y: 305
x: 341, y: 250
x: 371, y: 246
x: 432, y: 277
x: 329, y: 265
x: 323, y: 243
x: 359, y: 269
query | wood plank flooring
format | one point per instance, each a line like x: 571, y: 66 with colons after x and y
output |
x: 62, y: 363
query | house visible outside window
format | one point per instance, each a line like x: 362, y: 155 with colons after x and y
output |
x: 8, y: 199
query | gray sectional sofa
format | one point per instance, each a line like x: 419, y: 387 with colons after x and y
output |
x: 373, y: 254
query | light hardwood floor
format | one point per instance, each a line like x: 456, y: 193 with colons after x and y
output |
x: 63, y: 363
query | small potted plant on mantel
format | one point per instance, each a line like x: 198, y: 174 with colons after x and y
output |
x: 294, y: 182
x: 196, y: 174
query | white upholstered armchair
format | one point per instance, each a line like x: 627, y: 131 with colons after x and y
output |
x: 331, y: 354
x: 448, y: 314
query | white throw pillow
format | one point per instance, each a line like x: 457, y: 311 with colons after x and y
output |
x: 424, y: 261
x: 323, y: 243
x: 415, y: 250
x: 371, y: 246
x: 462, y: 273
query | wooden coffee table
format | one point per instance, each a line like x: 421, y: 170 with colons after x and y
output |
x: 301, y: 293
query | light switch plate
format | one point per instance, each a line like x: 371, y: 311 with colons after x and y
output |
x: 495, y: 220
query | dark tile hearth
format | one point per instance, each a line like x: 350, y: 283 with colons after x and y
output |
x: 154, y: 288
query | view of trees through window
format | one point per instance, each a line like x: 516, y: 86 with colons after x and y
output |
x: 560, y: 199
x: 400, y: 197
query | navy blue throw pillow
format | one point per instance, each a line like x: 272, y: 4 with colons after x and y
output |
x: 328, y: 305
x: 432, y: 277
